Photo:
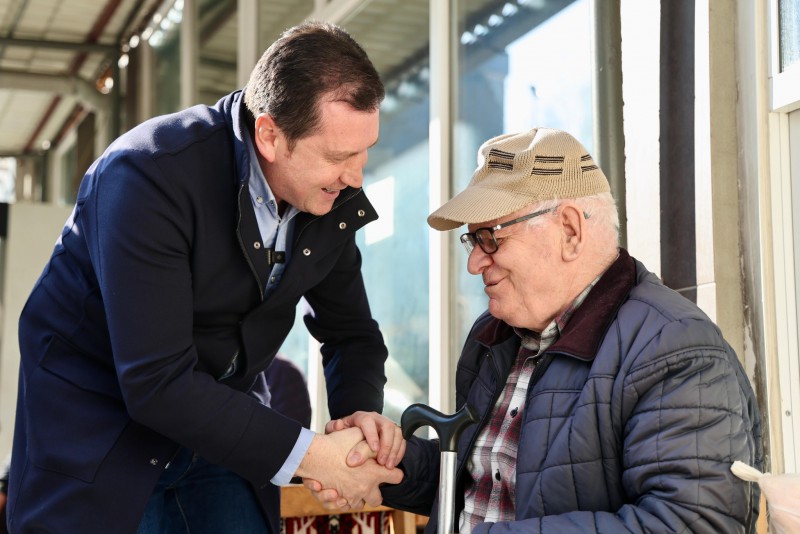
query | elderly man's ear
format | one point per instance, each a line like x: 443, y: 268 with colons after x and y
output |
x: 572, y: 232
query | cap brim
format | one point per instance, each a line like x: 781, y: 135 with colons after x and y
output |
x: 477, y: 204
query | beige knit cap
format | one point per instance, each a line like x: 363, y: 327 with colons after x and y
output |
x: 516, y: 170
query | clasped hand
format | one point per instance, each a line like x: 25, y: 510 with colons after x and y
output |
x: 372, y: 444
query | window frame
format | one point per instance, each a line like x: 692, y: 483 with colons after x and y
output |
x: 783, y: 85
x: 783, y: 351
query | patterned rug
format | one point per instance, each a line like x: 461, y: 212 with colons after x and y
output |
x: 357, y: 523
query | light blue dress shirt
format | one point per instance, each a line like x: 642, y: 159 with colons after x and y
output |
x: 276, y: 232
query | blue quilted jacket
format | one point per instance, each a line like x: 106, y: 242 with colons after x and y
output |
x: 631, y: 423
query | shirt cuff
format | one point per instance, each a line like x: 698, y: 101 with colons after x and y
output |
x: 289, y: 468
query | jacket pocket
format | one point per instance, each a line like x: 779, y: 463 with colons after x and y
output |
x: 74, y: 412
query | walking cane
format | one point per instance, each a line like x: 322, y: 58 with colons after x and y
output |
x: 448, y: 428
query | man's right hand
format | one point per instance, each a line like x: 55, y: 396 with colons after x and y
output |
x: 355, y: 486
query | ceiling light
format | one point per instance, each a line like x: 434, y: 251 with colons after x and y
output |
x: 175, y: 15
x: 156, y: 39
x: 495, y: 20
x: 509, y: 9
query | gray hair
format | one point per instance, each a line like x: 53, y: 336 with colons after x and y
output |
x: 600, y: 210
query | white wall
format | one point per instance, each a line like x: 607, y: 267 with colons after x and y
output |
x: 640, y: 28
x: 32, y: 232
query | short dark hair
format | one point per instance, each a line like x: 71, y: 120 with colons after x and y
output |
x: 305, y: 63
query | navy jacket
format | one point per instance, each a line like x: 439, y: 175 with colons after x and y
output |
x: 631, y: 423
x: 288, y: 391
x: 154, y: 287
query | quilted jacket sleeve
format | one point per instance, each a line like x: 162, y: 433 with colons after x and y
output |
x: 417, y: 491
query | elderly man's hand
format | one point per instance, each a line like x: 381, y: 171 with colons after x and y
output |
x: 324, y: 465
x: 384, y: 437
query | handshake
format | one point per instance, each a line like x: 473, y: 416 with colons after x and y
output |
x: 345, y: 467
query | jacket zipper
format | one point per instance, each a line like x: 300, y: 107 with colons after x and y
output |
x: 247, y: 256
x: 485, y: 416
x: 252, y: 269
x: 244, y: 250
x: 540, y: 366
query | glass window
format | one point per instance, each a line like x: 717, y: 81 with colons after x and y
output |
x: 8, y: 179
x: 218, y: 27
x: 520, y: 65
x: 789, y: 33
x: 166, y: 43
x: 69, y: 175
x: 274, y: 18
x: 395, y: 247
x: 218, y: 40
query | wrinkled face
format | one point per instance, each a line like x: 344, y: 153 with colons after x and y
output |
x: 311, y: 175
x: 522, y: 277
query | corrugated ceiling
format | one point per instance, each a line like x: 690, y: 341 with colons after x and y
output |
x: 53, y: 53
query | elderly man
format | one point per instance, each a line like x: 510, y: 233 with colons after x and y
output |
x: 607, y: 401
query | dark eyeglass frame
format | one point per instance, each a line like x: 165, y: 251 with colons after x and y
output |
x: 484, y: 236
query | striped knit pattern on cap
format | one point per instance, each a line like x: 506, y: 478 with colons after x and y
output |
x: 516, y: 170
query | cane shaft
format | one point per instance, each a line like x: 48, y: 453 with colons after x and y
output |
x: 447, y: 505
x: 448, y: 428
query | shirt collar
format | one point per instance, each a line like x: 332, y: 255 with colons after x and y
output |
x: 258, y: 183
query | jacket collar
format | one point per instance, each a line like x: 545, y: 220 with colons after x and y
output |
x: 586, y: 329
x: 234, y: 112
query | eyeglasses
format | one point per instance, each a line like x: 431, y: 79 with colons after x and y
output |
x: 484, y: 237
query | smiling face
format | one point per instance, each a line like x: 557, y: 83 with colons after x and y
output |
x: 311, y: 175
x: 524, y: 279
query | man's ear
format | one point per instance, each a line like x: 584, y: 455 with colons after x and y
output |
x: 266, y: 137
x: 573, y: 228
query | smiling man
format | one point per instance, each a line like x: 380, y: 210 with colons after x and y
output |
x: 607, y: 401
x: 143, y: 405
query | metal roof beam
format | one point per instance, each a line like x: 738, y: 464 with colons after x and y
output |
x: 84, y: 91
x: 59, y: 45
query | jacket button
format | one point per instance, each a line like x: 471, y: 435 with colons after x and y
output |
x: 306, y: 252
x: 153, y: 461
x: 257, y: 245
x: 342, y: 226
x: 361, y: 213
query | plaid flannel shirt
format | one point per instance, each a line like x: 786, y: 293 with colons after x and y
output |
x: 492, y: 466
